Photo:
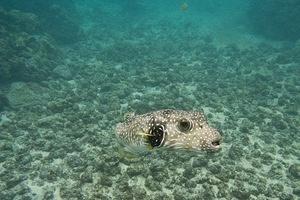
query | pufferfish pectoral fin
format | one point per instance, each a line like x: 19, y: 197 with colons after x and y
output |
x: 132, y: 154
x: 145, y: 137
x: 143, y: 134
x: 134, y: 151
x: 127, y: 154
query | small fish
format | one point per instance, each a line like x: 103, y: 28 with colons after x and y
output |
x: 171, y: 129
x: 184, y: 7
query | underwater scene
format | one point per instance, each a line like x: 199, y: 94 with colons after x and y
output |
x: 155, y: 100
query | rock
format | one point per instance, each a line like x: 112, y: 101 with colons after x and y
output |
x: 275, y: 171
x: 189, y: 173
x: 48, y: 195
x: 123, y: 186
x: 133, y: 171
x: 179, y: 195
x: 48, y: 174
x: 15, y: 181
x: 139, y: 193
x: 240, y: 193
x: 74, y: 161
x: 235, y: 152
x: 296, y: 190
x: 215, y: 168
x: 4, y: 119
x: 199, y: 162
x: 152, y: 185
x: 105, y: 181
x: 274, y: 190
x: 48, y: 120
x: 23, y: 94
x: 71, y: 191
x: 63, y: 71
x: 4, y: 103
x: 294, y: 170
x: 86, y: 177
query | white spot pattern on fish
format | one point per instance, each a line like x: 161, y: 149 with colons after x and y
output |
x: 174, y: 129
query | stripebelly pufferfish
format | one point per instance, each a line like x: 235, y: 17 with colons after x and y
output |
x: 172, y: 129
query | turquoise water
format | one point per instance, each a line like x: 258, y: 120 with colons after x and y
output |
x: 71, y: 70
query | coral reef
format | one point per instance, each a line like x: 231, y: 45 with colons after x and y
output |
x: 4, y: 102
x: 22, y: 94
x: 25, y: 56
x: 275, y: 18
x: 62, y: 24
x: 58, y: 18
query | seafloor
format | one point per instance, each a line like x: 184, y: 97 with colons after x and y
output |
x: 57, y: 135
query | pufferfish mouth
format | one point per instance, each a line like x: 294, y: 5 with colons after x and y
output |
x: 216, y: 144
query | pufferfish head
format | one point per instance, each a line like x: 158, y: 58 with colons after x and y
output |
x: 182, y: 130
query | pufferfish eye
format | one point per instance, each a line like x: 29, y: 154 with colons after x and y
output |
x: 184, y: 125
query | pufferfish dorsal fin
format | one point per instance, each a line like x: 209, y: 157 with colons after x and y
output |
x: 129, y: 116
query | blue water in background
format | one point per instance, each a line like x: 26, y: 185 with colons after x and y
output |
x: 71, y: 70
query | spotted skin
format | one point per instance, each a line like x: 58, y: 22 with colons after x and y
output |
x: 174, y: 129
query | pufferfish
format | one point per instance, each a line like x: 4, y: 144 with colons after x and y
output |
x: 170, y: 129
